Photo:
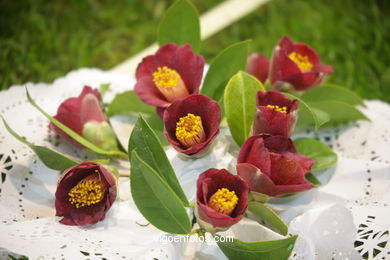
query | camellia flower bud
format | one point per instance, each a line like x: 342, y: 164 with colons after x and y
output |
x: 221, y: 199
x: 258, y: 66
x: 84, y: 194
x: 84, y: 115
x: 276, y: 114
x: 192, y: 123
x: 296, y: 64
x: 100, y: 134
x: 271, y: 166
x: 174, y: 72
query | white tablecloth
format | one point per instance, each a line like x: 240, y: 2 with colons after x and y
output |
x: 347, y: 214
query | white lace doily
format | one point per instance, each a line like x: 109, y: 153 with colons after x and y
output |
x: 345, y: 218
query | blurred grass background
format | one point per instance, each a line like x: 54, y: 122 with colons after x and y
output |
x: 42, y: 40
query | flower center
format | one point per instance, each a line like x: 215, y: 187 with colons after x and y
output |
x: 302, y: 61
x: 223, y: 201
x: 189, y: 130
x: 278, y: 108
x: 169, y: 83
x: 87, y: 192
x: 165, y: 77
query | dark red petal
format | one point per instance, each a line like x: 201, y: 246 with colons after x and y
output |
x: 215, y: 218
x: 279, y: 144
x: 258, y: 66
x: 304, y: 162
x: 261, y: 183
x: 70, y: 105
x: 189, y: 66
x: 254, y: 152
x: 286, y: 171
x: 68, y: 221
x: 286, y: 44
x: 305, y: 50
x: 277, y: 123
x: 147, y: 91
x: 257, y: 181
x: 322, y: 68
x: 89, y: 214
x: 146, y: 67
x: 164, y: 55
x: 304, y: 81
x: 160, y: 111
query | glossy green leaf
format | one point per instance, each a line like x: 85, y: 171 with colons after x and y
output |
x: 316, y: 150
x: 144, y: 140
x: 155, y: 199
x: 333, y: 93
x: 223, y: 67
x: 240, y: 104
x: 339, y: 113
x: 268, y: 216
x: 127, y: 103
x: 180, y: 25
x: 308, y: 115
x: 73, y: 134
x: 157, y: 125
x: 279, y: 249
x: 50, y: 158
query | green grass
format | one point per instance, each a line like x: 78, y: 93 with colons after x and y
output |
x: 42, y: 40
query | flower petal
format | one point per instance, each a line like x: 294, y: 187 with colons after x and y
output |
x: 258, y: 66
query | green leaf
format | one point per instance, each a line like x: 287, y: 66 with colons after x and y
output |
x: 308, y: 115
x: 313, y: 179
x: 50, y: 158
x: 223, y: 67
x: 157, y: 125
x: 155, y: 199
x: 332, y: 93
x: 316, y: 150
x: 180, y: 25
x: 144, y: 140
x: 340, y: 113
x: 270, y: 249
x: 73, y: 134
x: 240, y: 104
x: 127, y: 103
x: 268, y: 216
x: 104, y: 88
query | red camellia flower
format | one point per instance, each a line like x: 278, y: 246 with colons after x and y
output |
x: 84, y: 115
x: 192, y: 123
x: 174, y: 72
x: 270, y: 165
x: 276, y: 114
x: 258, y: 66
x: 84, y: 194
x: 297, y: 64
x: 221, y: 199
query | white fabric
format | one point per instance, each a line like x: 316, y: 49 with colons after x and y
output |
x: 348, y: 212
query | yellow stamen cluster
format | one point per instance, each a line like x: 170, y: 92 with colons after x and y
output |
x: 302, y: 61
x: 86, y: 193
x: 278, y: 108
x: 165, y: 77
x: 223, y: 201
x: 188, y: 126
